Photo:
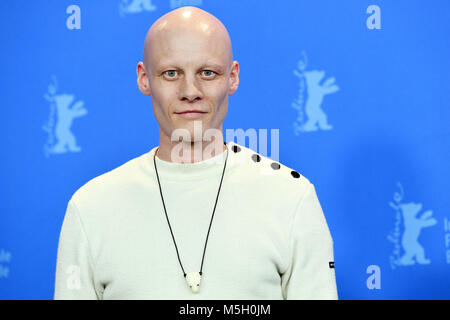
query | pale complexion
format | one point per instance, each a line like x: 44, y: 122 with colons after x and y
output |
x: 188, y: 65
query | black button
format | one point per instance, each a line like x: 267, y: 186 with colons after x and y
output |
x: 275, y: 166
x: 236, y: 149
x: 256, y: 158
x: 295, y: 174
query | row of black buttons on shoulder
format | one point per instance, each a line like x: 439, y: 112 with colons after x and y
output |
x: 257, y: 158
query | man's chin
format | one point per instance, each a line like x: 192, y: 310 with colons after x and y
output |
x: 189, y: 130
x: 194, y: 131
x: 187, y: 134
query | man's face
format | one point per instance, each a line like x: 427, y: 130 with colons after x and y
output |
x: 190, y: 71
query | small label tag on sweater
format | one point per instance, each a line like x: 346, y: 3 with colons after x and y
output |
x: 331, y: 264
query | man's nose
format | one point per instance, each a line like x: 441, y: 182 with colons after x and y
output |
x: 190, y: 89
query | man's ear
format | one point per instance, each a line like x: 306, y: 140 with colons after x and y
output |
x: 234, y: 76
x: 142, y: 79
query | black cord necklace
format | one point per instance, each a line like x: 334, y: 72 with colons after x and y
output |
x: 192, y: 278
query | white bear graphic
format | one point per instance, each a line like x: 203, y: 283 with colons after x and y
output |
x: 60, y: 139
x: 413, y: 226
x: 135, y: 6
x: 316, y: 92
x: 66, y: 139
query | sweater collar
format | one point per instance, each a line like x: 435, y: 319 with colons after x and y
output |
x: 191, y: 171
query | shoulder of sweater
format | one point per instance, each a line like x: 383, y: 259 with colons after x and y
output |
x: 266, y: 171
x: 116, y: 180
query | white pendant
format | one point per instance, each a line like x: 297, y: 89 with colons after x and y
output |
x: 193, y: 281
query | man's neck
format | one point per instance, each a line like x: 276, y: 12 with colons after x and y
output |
x: 189, y: 152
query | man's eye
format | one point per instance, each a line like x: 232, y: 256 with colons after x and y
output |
x: 208, y: 73
x: 171, y: 73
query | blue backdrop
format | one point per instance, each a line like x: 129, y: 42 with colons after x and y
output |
x: 359, y: 91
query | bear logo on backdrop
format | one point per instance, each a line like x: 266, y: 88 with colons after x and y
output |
x: 5, y: 259
x: 63, y: 111
x: 138, y: 6
x: 135, y: 6
x: 408, y: 226
x: 311, y: 116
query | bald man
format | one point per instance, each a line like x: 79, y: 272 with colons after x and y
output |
x: 195, y: 217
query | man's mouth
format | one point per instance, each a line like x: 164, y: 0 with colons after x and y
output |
x: 190, y: 111
x: 191, y: 114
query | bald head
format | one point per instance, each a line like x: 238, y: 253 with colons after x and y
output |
x: 190, y: 30
x: 189, y: 72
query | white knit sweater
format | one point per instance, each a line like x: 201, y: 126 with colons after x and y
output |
x: 269, y: 238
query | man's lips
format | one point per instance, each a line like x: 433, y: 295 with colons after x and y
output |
x: 191, y: 111
x: 191, y: 114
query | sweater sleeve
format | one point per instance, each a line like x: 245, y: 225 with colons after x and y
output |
x: 74, y: 265
x: 311, y: 274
